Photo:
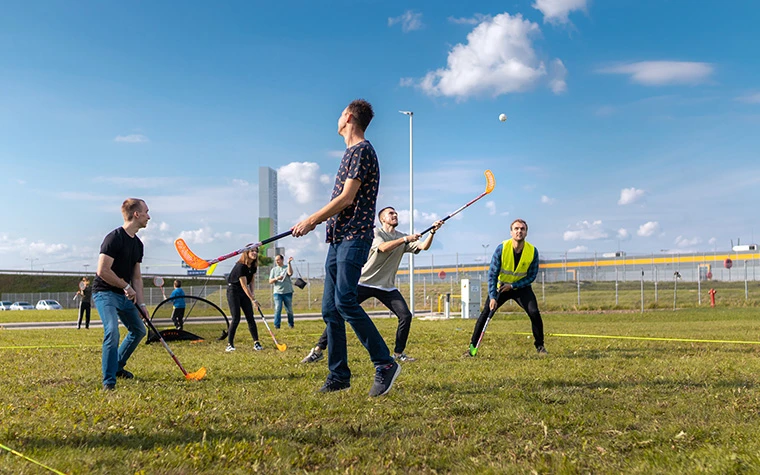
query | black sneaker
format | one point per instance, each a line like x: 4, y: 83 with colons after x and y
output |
x: 109, y: 387
x: 541, y: 351
x: 384, y: 378
x: 123, y: 373
x: 257, y: 346
x: 332, y: 385
x: 313, y: 356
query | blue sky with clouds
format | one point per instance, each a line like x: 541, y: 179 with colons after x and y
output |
x: 631, y: 124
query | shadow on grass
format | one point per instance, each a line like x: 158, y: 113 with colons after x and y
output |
x: 655, y: 383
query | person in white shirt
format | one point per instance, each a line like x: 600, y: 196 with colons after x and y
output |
x: 282, y: 291
x: 379, y: 275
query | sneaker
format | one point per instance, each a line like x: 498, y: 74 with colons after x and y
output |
x: 109, y: 387
x: 541, y: 350
x: 404, y: 357
x: 384, y: 378
x: 123, y: 373
x: 332, y: 385
x: 229, y: 348
x: 257, y: 346
x: 473, y: 350
x: 313, y: 356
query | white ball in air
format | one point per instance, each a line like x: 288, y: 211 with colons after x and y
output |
x: 503, y: 117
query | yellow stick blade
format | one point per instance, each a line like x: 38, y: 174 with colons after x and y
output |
x: 490, y: 181
x: 187, y: 255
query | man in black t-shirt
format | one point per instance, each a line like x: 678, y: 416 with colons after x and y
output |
x: 85, y: 303
x: 118, y: 288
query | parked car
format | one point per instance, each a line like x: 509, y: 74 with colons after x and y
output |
x: 21, y: 306
x: 49, y: 305
x: 5, y: 305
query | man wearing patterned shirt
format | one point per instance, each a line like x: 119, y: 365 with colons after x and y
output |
x: 350, y: 217
x: 514, y: 266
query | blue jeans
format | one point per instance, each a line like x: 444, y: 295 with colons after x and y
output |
x: 343, y: 267
x: 279, y: 299
x: 113, y: 307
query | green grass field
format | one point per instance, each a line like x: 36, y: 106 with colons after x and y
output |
x: 593, y: 406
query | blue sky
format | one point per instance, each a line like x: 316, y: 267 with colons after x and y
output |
x: 632, y: 124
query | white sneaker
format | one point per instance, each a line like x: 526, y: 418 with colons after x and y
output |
x: 229, y: 348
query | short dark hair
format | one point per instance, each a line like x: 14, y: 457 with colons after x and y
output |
x: 178, y: 283
x: 381, y: 211
x: 519, y: 220
x: 280, y: 256
x: 362, y: 111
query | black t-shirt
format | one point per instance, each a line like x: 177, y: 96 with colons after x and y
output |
x: 126, y: 251
x: 87, y: 295
x: 238, y: 271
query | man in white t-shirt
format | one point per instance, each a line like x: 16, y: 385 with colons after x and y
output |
x: 379, y: 276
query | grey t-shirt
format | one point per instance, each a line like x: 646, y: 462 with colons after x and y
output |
x: 381, y: 267
x: 284, y: 287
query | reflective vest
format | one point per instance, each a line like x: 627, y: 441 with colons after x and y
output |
x: 508, y: 273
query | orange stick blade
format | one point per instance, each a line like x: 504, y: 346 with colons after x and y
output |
x: 196, y: 376
x: 188, y: 256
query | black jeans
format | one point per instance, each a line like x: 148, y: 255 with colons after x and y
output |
x: 526, y: 299
x: 84, y: 311
x: 237, y: 300
x: 395, y: 303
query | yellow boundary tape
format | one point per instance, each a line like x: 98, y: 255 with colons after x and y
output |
x: 621, y: 337
x: 45, y: 347
x: 19, y: 454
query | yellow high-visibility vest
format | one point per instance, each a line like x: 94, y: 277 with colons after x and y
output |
x: 508, y: 273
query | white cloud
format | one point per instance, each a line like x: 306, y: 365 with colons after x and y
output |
x: 750, y: 98
x: 623, y: 234
x: 474, y: 20
x: 546, y: 200
x: 162, y: 226
x: 134, y: 138
x: 410, y: 21
x: 712, y: 241
x: 557, y: 11
x: 336, y: 153
x: 578, y: 249
x: 630, y: 195
x: 239, y: 182
x: 21, y: 247
x: 421, y: 219
x: 648, y: 229
x: 497, y: 59
x: 586, y: 231
x: 681, y: 241
x: 303, y: 180
x: 662, y: 73
x: 203, y: 235
x: 491, y: 206
x: 557, y: 75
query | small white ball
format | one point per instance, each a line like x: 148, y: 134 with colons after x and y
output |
x: 503, y: 117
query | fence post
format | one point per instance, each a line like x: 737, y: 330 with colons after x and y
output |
x: 578, y: 283
x: 746, y: 288
x: 675, y: 288
x: 699, y: 287
x: 642, y: 290
x: 616, y: 286
x: 655, y: 286
x: 543, y: 286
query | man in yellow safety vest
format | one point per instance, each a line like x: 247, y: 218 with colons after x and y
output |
x: 514, y: 266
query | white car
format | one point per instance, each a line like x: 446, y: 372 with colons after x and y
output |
x: 21, y: 306
x: 49, y: 305
x: 5, y: 305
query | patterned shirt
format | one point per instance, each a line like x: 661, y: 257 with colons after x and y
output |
x: 495, y: 268
x: 356, y: 221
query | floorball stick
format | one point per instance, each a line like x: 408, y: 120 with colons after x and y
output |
x: 198, y: 263
x: 490, y: 184
x: 474, y: 349
x: 280, y: 346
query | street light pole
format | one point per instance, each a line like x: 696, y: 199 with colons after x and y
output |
x: 31, y: 262
x: 308, y: 285
x: 411, y: 207
x: 485, y: 259
x: 85, y: 268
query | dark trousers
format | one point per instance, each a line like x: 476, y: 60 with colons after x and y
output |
x: 237, y: 300
x: 526, y: 299
x: 178, y: 317
x: 395, y: 303
x: 84, y: 311
x: 343, y: 267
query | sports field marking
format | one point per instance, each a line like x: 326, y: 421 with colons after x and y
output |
x: 34, y: 347
x: 646, y: 338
